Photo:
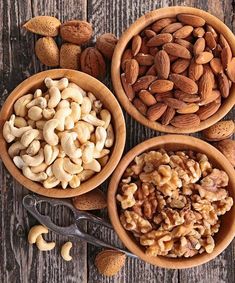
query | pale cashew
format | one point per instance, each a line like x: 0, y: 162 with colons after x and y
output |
x: 50, y: 153
x: 87, y: 152
x: 83, y: 123
x: 93, y: 113
x: 37, y: 93
x: 106, y: 117
x: 61, y: 152
x: 49, y: 171
x: 33, y: 176
x: 15, y: 148
x: 93, y: 120
x: 33, y: 148
x: 100, y: 137
x: 59, y: 172
x: 83, y: 133
x: 73, y: 93
x: 86, y: 106
x: 65, y: 249
x: 29, y: 136
x: 61, y: 115
x: 55, y: 97
x: 69, y: 123
x: 51, y: 182
x: 91, y: 97
x: 18, y: 161
x: 40, y: 124
x: 67, y: 143
x: 32, y: 123
x: 100, y: 154
x: 103, y: 160
x: 61, y: 84
x: 63, y: 104
x: 94, y: 165
x: 76, y: 111
x: 85, y: 175
x: 35, y: 231
x: 75, y: 182
x: 72, y: 168
x: 73, y: 85
x: 10, y: 132
x: 35, y: 113
x: 40, y: 168
x: 41, y: 102
x: 34, y: 160
x: 48, y: 113
x: 110, y: 136
x: 42, y: 245
x: 48, y: 132
x: 64, y: 184
x: 20, y: 105
x: 77, y: 161
x: 20, y: 122
x: 40, y: 136
x: 97, y: 106
x: 8, y: 136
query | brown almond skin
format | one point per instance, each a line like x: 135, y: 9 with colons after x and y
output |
x: 47, y: 51
x: 199, y: 46
x: 160, y: 24
x: 185, y: 121
x: 195, y: 70
x: 77, y: 32
x: 212, y: 96
x: 127, y: 88
x: 227, y: 147
x: 159, y: 39
x: 143, y: 83
x: 210, y: 40
x: 204, y: 57
x: 144, y: 59
x: 180, y: 65
x: 156, y: 111
x: 160, y: 97
x: 231, y: 70
x: 131, y: 71
x: 171, y: 28
x: 177, y: 50
x: 106, y: 44
x: 184, y: 83
x: 189, y: 98
x: 70, y: 56
x: 162, y: 64
x: 208, y: 110
x: 192, y: 20
x: 136, y: 44
x: 160, y: 86
x: 199, y: 32
x: 183, y: 32
x: 140, y: 106
x: 167, y: 116
x: 188, y: 45
x: 149, y: 33
x: 205, y: 85
x: 223, y: 85
x: 216, y: 66
x: 226, y: 56
x: 147, y: 98
x: 92, y: 200
x: 151, y: 71
x: 127, y: 54
x: 174, y: 103
x: 219, y: 131
x: 189, y: 109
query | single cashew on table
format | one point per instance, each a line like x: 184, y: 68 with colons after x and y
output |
x: 60, y: 137
x: 172, y: 202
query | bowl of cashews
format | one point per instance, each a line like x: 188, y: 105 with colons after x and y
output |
x: 62, y: 133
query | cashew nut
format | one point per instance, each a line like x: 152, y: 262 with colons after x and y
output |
x: 76, y: 111
x: 48, y: 132
x: 77, y: 161
x: 31, y: 123
x: 83, y: 133
x: 18, y: 161
x: 40, y: 124
x: 97, y: 106
x: 20, y: 105
x: 69, y: 123
x: 42, y: 245
x: 61, y: 84
x: 29, y: 136
x: 51, y: 182
x: 20, y: 122
x: 41, y: 102
x: 110, y: 137
x: 100, y: 137
x: 8, y: 136
x: 68, y: 145
x: 34, y: 160
x: 73, y: 93
x: 33, y: 176
x: 35, y: 113
x: 65, y: 249
x: 61, y: 115
x: 92, y: 138
x: 87, y: 152
x: 55, y: 97
x: 93, y: 120
x: 59, y: 172
x: 64, y: 184
x: 48, y: 113
x: 85, y: 175
x: 75, y: 182
x: 49, y: 171
x: 40, y: 168
x: 10, y: 132
x: 100, y: 154
x: 72, y: 168
x: 91, y: 97
x: 86, y: 106
x: 63, y: 104
x: 37, y: 93
x: 106, y: 117
x: 35, y: 231
x: 15, y: 149
x: 33, y: 148
x: 73, y: 85
x: 94, y: 165
x: 50, y: 153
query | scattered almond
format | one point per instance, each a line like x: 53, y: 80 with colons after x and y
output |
x: 131, y: 71
x: 183, y: 32
x: 106, y: 44
x: 92, y: 200
x: 188, y: 109
x: 177, y: 50
x: 226, y: 56
x: 199, y: 32
x: 185, y: 121
x: 227, y: 147
x: 195, y: 71
x: 144, y: 59
x: 208, y: 110
x: 162, y: 64
x: 180, y: 65
x: 210, y: 40
x: 143, y: 83
x: 199, y: 46
x: 223, y: 85
x: 205, y: 85
x: 140, y: 106
x: 127, y: 87
x: 204, y: 57
x: 174, y: 103
x: 231, y: 70
x: 160, y: 86
x: 216, y: 66
x: 156, y: 111
x: 192, y: 20
x: 160, y: 24
x: 167, y: 116
x: 70, y: 56
x: 147, y: 98
x: 47, y: 51
x: 219, y: 131
x: 136, y: 44
x: 184, y: 83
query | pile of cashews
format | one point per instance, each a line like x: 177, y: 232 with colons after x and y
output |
x: 60, y: 137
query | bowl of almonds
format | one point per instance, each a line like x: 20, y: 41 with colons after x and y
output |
x: 58, y: 133
x: 173, y: 70
x: 171, y: 201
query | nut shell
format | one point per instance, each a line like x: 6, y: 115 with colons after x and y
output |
x: 47, y: 51
x: 220, y: 131
x: 90, y: 201
x: 106, y: 44
x: 227, y: 147
x: 70, y: 56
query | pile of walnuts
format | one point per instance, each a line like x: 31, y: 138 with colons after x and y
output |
x: 172, y: 201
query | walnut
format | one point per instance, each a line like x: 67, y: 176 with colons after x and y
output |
x: 204, y: 164
x: 127, y: 198
x: 208, y: 243
x: 217, y: 178
x: 222, y: 206
x: 179, y: 202
x: 215, y: 195
x: 171, y: 218
x: 154, y: 159
x: 138, y: 164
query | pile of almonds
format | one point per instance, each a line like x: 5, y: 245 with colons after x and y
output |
x: 178, y: 71
x: 70, y: 55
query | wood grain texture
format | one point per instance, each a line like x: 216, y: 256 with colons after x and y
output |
x: 21, y: 263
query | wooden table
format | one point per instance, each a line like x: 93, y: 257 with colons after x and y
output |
x: 21, y: 262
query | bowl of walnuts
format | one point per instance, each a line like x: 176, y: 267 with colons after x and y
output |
x: 170, y: 200
x: 173, y: 70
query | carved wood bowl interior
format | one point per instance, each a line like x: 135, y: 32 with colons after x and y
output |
x: 102, y: 93
x: 135, y: 29
x: 174, y: 142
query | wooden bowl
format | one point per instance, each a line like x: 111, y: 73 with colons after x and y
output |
x: 174, y: 142
x: 135, y: 29
x: 88, y: 83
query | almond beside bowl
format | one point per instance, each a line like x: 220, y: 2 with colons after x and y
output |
x: 148, y: 99
x: 109, y: 102
x: 131, y: 237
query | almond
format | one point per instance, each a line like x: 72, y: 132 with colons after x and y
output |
x: 162, y: 64
x: 212, y: 96
x: 226, y: 56
x: 223, y: 85
x: 127, y: 88
x: 70, y: 56
x: 144, y: 48
x: 223, y: 42
x: 199, y: 46
x: 210, y: 29
x: 147, y: 98
x: 180, y: 65
x: 168, y: 116
x: 143, y: 69
x: 140, y: 106
x: 186, y: 97
x: 151, y: 71
x: 153, y: 51
x: 177, y: 50
x: 127, y: 54
x: 208, y: 110
x: 191, y: 20
x: 136, y: 44
x: 216, y: 65
x: 199, y: 32
x: 195, y: 70
x: 47, y: 51
x: 183, y: 32
x: 143, y: 83
x: 204, y: 57
x: 77, y: 32
x: 172, y: 28
x: 106, y: 44
x: 92, y: 200
x: 43, y: 25
x: 188, y: 45
x: 185, y: 121
x: 189, y: 109
x: 160, y: 86
x: 156, y: 111
x: 160, y: 39
x: 205, y: 85
x: 184, y: 83
x: 219, y: 131
x: 160, y: 97
x: 160, y: 24
x: 210, y: 40
x: 174, y: 103
x: 144, y: 59
x: 149, y: 33
x: 227, y: 147
x: 110, y: 262
x: 231, y: 70
x: 131, y: 71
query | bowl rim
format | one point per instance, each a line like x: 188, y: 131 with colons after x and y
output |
x: 138, y: 26
x: 159, y: 142
x: 118, y: 147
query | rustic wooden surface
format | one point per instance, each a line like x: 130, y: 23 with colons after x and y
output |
x: 20, y: 262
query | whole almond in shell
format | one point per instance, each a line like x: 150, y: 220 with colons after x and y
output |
x: 147, y: 98
x: 185, y: 121
x: 70, y: 56
x: 143, y: 83
x: 184, y: 83
x: 162, y: 23
x: 127, y: 88
x: 47, y: 51
x: 110, y: 262
x: 43, y: 25
x: 219, y: 131
x: 162, y: 64
x: 223, y: 84
x: 136, y: 44
x: 231, y: 70
x: 192, y: 20
x: 92, y: 63
x: 76, y: 31
x: 106, y: 44
x: 204, y: 57
x: 92, y: 200
x: 195, y: 70
x: 131, y: 71
x: 160, y: 86
x: 180, y: 65
x: 167, y: 116
x: 156, y: 111
x: 177, y: 50
x: 183, y: 32
x: 159, y: 39
x: 227, y: 147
